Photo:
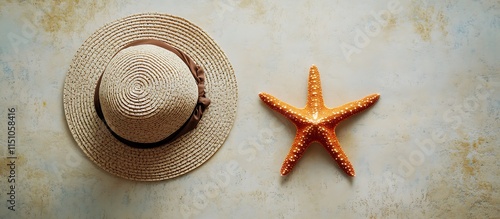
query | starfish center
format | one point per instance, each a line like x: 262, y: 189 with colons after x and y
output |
x: 315, y: 115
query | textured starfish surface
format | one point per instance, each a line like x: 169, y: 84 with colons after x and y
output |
x: 316, y: 123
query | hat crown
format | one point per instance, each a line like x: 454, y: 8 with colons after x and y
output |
x: 147, y: 93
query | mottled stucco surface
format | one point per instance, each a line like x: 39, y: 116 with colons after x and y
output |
x: 428, y: 149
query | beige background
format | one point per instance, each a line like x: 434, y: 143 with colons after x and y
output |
x: 429, y: 148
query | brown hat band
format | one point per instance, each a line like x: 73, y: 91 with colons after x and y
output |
x: 201, y: 105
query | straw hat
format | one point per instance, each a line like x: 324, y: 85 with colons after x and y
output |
x: 134, y: 88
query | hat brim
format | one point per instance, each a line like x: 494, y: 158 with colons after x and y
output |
x: 170, y: 160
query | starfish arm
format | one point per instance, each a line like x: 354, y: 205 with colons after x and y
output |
x: 329, y: 140
x: 314, y: 90
x: 299, y: 146
x: 290, y: 112
x: 349, y: 109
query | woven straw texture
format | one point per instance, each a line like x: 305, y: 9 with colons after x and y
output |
x: 178, y: 157
x: 147, y: 93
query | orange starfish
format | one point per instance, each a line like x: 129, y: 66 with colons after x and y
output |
x: 316, y: 122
